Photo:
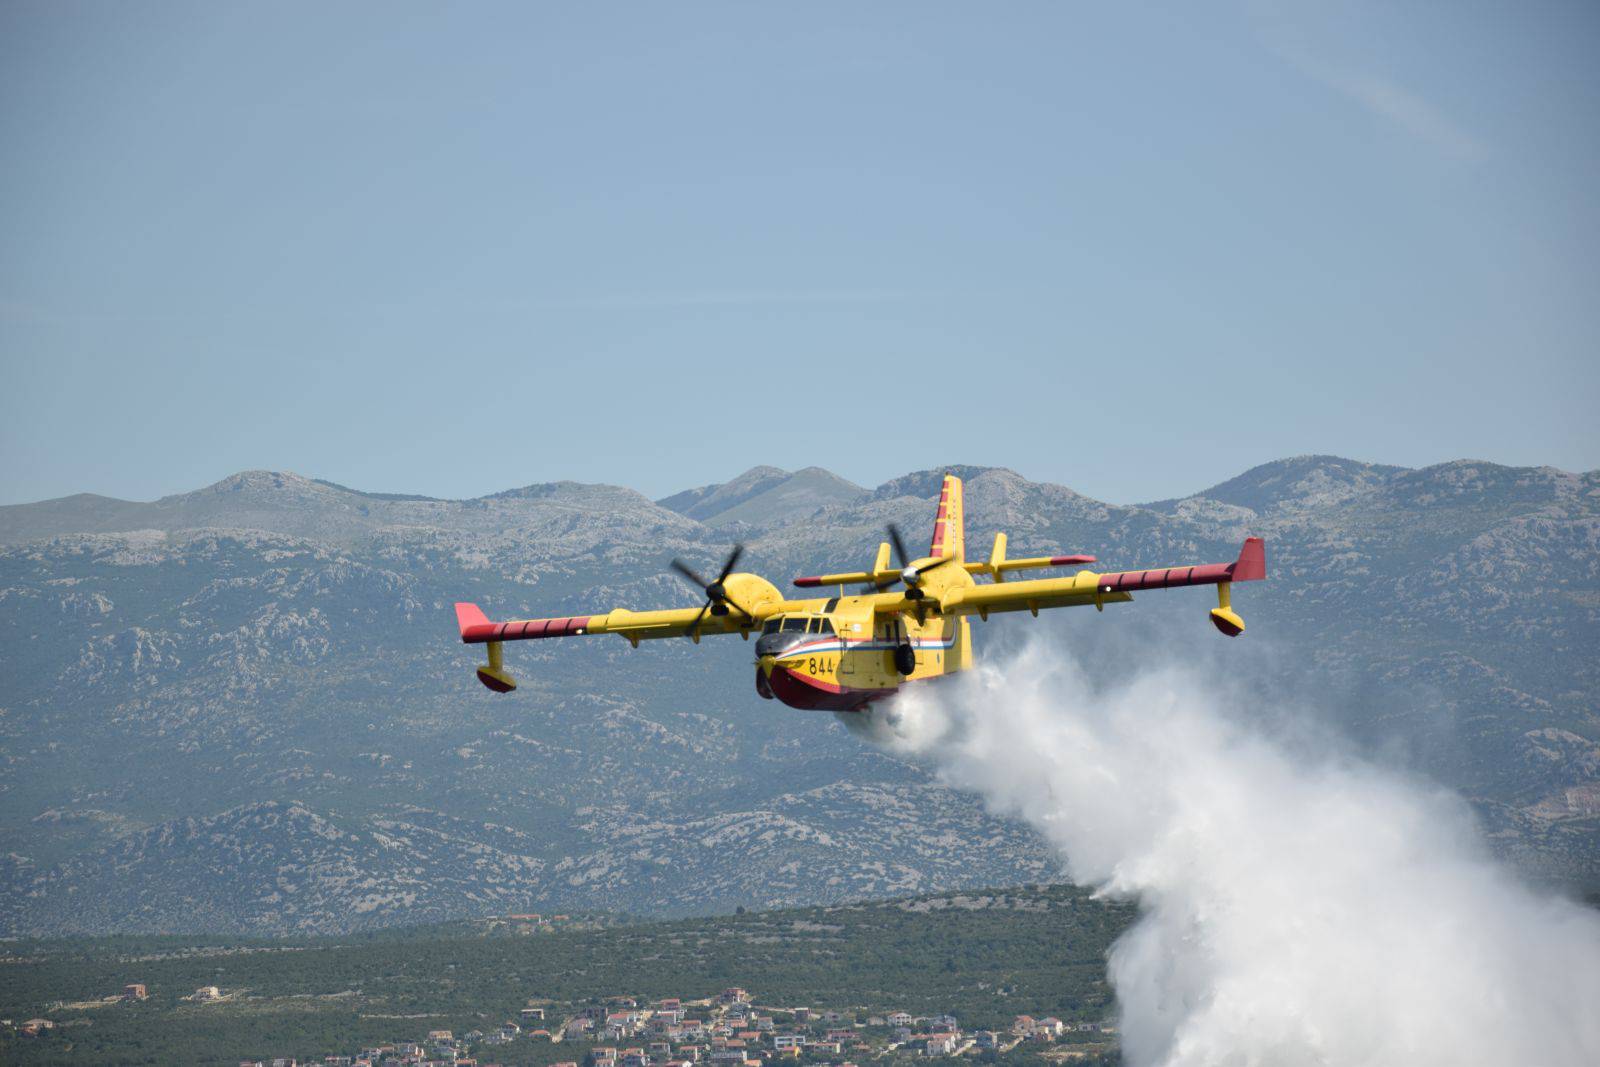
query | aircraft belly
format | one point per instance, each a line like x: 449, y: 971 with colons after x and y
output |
x: 814, y: 686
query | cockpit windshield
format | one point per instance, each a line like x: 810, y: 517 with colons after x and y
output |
x: 798, y: 624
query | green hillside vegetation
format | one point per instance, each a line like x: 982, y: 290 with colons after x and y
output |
x: 984, y: 957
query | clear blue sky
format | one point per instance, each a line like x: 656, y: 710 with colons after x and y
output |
x: 453, y: 248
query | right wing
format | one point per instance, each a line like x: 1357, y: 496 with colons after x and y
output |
x: 477, y: 629
x: 636, y: 626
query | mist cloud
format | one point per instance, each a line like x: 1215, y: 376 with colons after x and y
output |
x: 1297, y: 907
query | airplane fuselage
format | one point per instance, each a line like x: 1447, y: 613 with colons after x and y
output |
x: 838, y: 656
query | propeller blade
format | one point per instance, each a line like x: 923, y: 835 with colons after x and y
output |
x: 733, y: 559
x: 688, y: 573
x: 722, y: 596
x: 716, y: 593
x: 900, y: 556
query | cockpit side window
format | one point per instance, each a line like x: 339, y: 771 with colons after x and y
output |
x: 794, y: 624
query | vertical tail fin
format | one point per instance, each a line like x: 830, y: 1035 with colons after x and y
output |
x: 949, y: 529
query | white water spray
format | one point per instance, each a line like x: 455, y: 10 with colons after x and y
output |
x: 1295, y: 909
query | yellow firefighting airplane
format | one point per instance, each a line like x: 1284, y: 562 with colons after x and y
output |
x: 842, y: 653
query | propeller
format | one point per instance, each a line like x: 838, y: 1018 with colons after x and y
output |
x: 718, y: 601
x: 908, y: 574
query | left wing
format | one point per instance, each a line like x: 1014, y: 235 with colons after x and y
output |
x: 1087, y: 587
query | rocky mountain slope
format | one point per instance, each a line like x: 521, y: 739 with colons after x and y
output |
x: 244, y: 708
x: 764, y: 496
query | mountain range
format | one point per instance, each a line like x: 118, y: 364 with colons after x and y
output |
x: 244, y: 709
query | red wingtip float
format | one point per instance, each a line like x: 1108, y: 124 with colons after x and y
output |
x: 909, y: 619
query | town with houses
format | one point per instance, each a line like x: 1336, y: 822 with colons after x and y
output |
x: 727, y: 1030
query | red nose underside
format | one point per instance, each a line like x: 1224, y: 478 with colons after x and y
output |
x: 814, y: 694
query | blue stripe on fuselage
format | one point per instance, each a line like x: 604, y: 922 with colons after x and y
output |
x: 835, y: 645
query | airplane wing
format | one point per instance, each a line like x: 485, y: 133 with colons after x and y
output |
x: 636, y: 626
x: 1087, y: 587
x: 477, y: 629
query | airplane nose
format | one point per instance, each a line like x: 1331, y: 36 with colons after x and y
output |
x: 776, y: 644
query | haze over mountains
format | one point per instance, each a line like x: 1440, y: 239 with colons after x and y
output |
x: 244, y: 708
